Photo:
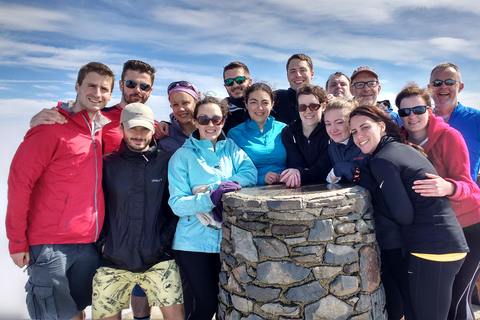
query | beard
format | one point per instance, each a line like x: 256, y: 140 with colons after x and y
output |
x: 135, y: 98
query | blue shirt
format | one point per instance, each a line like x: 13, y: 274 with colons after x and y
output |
x: 264, y: 148
x: 467, y: 121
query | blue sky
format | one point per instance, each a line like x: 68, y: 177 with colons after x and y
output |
x: 44, y: 43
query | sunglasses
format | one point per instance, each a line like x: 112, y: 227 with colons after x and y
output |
x: 133, y: 84
x: 448, y: 82
x: 361, y: 85
x: 204, y: 120
x: 184, y: 84
x: 405, y: 112
x: 311, y: 106
x: 239, y: 80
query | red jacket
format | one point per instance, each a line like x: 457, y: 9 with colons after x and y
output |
x: 54, y: 187
x: 448, y: 151
x: 111, y: 136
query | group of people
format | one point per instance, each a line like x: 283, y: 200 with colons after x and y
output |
x: 143, y: 226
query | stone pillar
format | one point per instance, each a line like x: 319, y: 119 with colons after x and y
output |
x: 306, y: 253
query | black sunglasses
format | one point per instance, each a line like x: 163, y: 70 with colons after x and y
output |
x: 448, y: 82
x: 133, y: 84
x: 361, y: 85
x: 184, y: 84
x: 311, y: 106
x: 204, y: 120
x: 405, y: 112
x: 239, y: 80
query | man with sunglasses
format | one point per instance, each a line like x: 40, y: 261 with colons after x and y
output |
x: 299, y: 73
x: 136, y: 85
x: 445, y: 85
x: 365, y: 88
x: 236, y: 78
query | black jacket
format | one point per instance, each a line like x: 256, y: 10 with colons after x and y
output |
x: 139, y: 224
x: 236, y: 117
x: 285, y: 107
x: 308, y: 155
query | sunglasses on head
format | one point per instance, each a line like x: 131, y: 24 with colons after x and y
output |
x: 133, y: 84
x: 239, y: 80
x: 184, y: 84
x: 311, y: 106
x: 448, y: 82
x: 405, y: 112
x: 204, y: 120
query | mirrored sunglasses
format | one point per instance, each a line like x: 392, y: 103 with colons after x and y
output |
x: 405, y: 112
x: 133, y: 84
x: 204, y: 120
x: 448, y: 82
x: 239, y: 80
x: 184, y: 84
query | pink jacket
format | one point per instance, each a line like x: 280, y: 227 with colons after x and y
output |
x: 54, y: 187
x: 448, y: 151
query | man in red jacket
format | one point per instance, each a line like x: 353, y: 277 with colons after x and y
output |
x: 55, y: 201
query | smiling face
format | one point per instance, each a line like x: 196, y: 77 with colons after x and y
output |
x: 310, y: 118
x: 259, y: 105
x: 137, y: 138
x: 415, y: 123
x: 366, y: 95
x: 237, y: 91
x: 182, y: 105
x: 93, y: 94
x: 339, y: 86
x: 299, y: 73
x: 209, y: 131
x: 130, y: 95
x: 445, y: 97
x: 336, y: 123
x: 366, y: 133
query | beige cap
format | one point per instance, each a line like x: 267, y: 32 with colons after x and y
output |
x: 137, y: 114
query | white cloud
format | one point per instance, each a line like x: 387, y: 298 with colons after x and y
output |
x: 26, y: 18
x: 49, y: 87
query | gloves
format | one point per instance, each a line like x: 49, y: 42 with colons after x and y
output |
x: 226, y: 186
x: 349, y: 170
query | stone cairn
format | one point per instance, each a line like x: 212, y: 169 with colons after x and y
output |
x: 305, y: 253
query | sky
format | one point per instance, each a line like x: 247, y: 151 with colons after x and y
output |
x: 44, y: 43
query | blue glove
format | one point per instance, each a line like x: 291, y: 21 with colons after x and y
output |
x: 349, y: 170
x: 226, y: 186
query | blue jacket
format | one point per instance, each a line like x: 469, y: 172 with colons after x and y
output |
x: 176, y: 137
x: 264, y: 148
x: 197, y: 163
x: 467, y: 121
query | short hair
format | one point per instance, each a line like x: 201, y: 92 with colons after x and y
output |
x: 303, y: 57
x: 337, y: 74
x: 139, y: 66
x: 214, y: 100
x: 410, y: 90
x: 96, y: 67
x: 260, y: 86
x: 342, y: 103
x: 236, y: 65
x: 317, y: 91
x: 445, y: 65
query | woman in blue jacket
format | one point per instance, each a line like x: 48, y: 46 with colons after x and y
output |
x: 204, y: 168
x: 260, y: 136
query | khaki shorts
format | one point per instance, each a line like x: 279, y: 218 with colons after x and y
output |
x: 112, y: 288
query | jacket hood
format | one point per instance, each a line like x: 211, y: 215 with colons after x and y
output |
x: 436, y: 126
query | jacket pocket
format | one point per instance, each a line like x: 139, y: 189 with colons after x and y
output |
x: 40, y: 302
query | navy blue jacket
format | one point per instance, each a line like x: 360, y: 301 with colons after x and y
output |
x: 285, y: 107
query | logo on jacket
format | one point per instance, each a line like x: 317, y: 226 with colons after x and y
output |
x: 157, y: 180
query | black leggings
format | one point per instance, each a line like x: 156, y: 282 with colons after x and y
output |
x: 430, y: 285
x: 464, y: 284
x: 202, y: 270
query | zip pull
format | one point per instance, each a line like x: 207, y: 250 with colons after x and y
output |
x: 144, y: 157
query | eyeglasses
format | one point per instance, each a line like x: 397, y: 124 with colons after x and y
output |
x: 204, y: 120
x: 239, y: 80
x: 184, y: 84
x: 133, y: 84
x: 311, y: 106
x: 361, y: 85
x: 405, y: 112
x: 448, y: 82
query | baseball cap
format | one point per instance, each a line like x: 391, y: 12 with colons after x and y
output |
x: 363, y: 69
x: 137, y: 114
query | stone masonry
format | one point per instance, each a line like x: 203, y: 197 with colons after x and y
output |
x: 305, y: 253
